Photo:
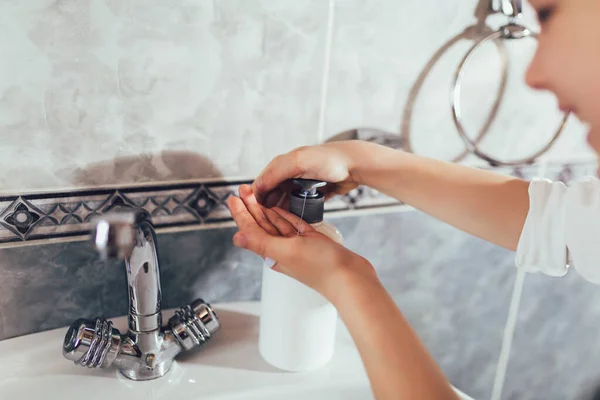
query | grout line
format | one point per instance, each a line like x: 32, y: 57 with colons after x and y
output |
x: 572, y: 159
x: 542, y: 168
x: 326, y: 71
x: 509, y: 331
x: 511, y: 320
x: 388, y: 209
x: 150, y: 186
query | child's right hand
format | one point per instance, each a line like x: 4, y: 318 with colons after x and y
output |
x: 332, y: 162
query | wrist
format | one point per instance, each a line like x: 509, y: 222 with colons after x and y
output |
x: 347, y: 284
x: 366, y: 161
x: 356, y: 153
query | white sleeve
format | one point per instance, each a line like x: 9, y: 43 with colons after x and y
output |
x: 542, y: 246
x: 562, y: 228
x: 583, y: 228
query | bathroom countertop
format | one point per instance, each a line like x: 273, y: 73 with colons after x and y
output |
x: 228, y: 367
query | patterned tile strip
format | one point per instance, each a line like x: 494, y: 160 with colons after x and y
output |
x: 44, y: 217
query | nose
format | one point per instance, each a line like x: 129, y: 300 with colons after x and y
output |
x: 534, y: 76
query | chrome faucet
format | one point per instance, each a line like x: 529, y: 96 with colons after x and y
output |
x: 148, y: 349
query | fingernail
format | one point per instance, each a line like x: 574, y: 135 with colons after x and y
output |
x: 269, y: 262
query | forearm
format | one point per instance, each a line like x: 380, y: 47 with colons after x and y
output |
x: 397, y: 363
x: 482, y: 203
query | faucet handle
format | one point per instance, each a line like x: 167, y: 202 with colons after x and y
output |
x: 194, y: 324
x: 93, y: 344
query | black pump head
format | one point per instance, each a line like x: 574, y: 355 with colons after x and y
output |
x: 307, y: 202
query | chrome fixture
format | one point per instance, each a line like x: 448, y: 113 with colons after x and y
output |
x: 148, y: 349
x: 513, y: 30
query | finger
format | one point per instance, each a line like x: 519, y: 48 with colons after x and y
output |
x: 292, y: 256
x: 256, y: 210
x: 299, y: 224
x: 273, y: 198
x: 284, y: 227
x: 279, y: 170
x: 242, y: 217
x: 256, y: 243
x: 330, y: 195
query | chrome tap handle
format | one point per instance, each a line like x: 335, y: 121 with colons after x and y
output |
x: 92, y: 344
x: 194, y: 324
x: 148, y: 349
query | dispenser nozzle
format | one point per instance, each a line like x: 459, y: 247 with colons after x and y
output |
x: 307, y: 202
x: 308, y: 187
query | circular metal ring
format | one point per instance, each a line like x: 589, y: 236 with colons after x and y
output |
x: 472, y: 34
x: 511, y: 31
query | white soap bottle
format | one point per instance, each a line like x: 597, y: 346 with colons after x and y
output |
x: 297, y: 324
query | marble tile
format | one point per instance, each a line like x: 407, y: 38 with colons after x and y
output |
x: 45, y: 287
x: 392, y: 67
x: 453, y: 288
x: 108, y: 92
x: 555, y: 352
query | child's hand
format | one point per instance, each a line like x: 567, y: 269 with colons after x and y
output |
x: 311, y: 257
x: 333, y: 163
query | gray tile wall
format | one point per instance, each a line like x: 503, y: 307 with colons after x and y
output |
x: 555, y: 352
x: 455, y: 300
x: 114, y: 92
x: 556, y: 348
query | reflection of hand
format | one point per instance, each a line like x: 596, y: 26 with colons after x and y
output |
x: 331, y: 162
x: 311, y: 257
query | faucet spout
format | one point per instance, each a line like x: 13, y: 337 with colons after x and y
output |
x: 130, y: 235
x: 148, y: 349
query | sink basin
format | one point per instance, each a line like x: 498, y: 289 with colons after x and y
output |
x: 228, y: 367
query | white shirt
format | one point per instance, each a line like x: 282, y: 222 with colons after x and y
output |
x: 562, y: 228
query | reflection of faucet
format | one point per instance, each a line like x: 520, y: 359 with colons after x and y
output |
x: 148, y: 348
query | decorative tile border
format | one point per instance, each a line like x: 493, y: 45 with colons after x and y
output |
x: 46, y: 217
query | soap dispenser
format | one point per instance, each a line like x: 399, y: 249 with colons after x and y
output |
x: 297, y: 324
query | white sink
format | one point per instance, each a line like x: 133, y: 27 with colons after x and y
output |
x: 229, y: 367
